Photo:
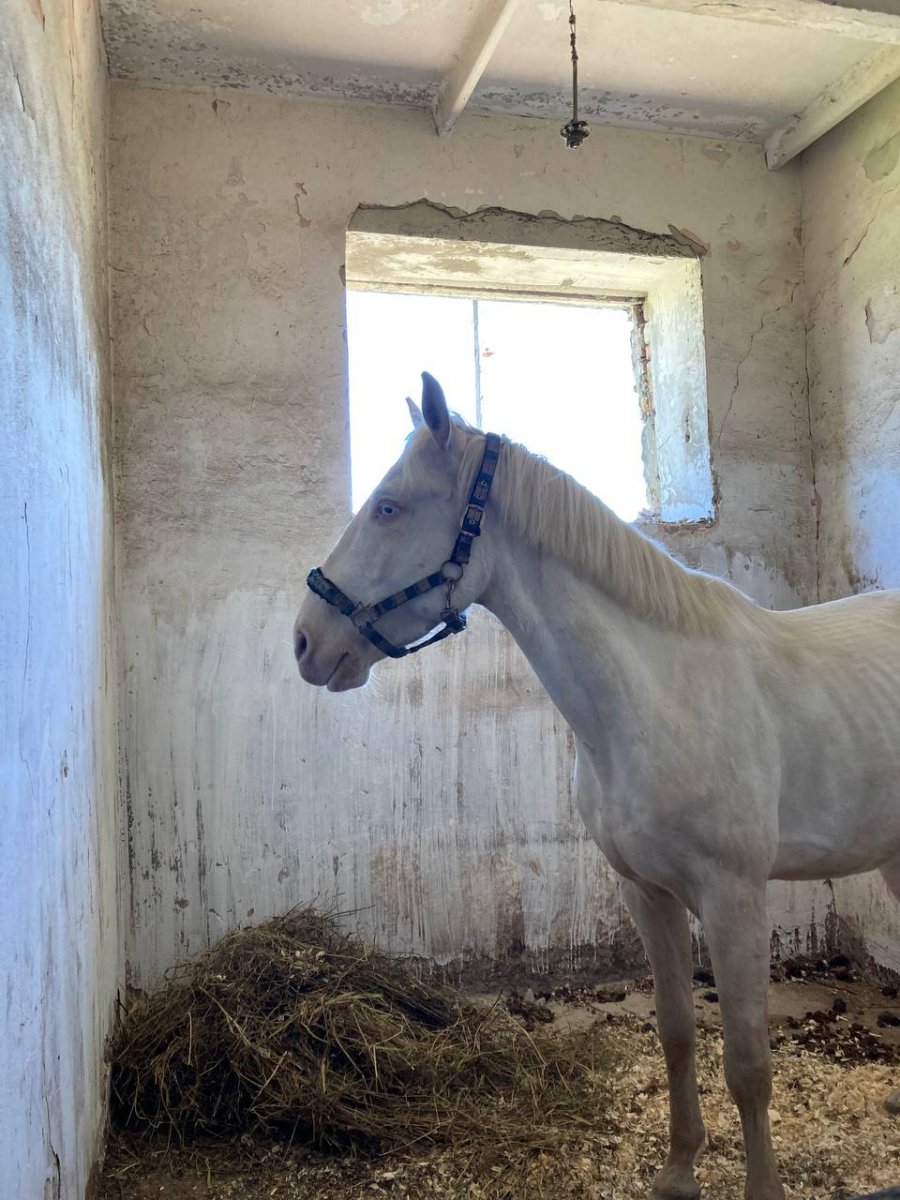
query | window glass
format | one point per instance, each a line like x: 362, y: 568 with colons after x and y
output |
x: 392, y: 339
x: 558, y: 378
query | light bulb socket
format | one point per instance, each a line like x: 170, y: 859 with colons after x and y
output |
x: 575, y: 132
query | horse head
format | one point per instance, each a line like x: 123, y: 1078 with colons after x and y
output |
x: 401, y: 567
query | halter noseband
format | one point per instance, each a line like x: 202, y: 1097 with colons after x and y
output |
x: 364, y: 616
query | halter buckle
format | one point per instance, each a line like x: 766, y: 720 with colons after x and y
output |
x: 471, y: 523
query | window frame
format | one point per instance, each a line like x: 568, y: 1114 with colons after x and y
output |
x: 425, y: 249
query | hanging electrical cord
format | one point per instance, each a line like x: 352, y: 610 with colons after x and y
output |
x: 575, y: 131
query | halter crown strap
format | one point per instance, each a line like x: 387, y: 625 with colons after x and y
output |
x: 364, y: 616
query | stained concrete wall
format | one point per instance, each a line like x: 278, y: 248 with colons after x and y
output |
x: 437, y: 803
x: 58, y: 919
x: 851, y: 237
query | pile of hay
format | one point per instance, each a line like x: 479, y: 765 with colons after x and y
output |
x: 295, y: 1030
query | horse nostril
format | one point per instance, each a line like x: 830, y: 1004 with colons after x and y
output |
x: 300, y: 644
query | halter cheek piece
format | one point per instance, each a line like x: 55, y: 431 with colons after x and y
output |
x: 364, y: 616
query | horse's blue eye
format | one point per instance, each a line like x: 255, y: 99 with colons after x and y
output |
x: 385, y: 508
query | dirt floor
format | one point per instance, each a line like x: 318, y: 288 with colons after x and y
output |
x: 837, y: 1058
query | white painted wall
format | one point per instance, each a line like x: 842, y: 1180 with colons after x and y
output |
x: 437, y: 803
x: 851, y: 237
x: 59, y: 942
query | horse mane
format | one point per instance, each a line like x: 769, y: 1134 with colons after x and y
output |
x: 556, y: 514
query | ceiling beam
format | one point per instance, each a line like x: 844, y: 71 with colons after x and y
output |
x: 817, y: 16
x: 471, y: 60
x: 864, y: 80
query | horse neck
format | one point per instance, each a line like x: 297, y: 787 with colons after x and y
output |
x: 591, y: 654
x: 599, y: 610
x: 549, y: 511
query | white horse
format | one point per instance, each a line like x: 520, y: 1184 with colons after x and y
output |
x: 719, y: 745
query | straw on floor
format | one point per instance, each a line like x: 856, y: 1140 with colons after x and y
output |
x: 295, y: 1030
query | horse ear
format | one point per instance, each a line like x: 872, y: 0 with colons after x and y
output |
x: 434, y: 410
x: 415, y: 412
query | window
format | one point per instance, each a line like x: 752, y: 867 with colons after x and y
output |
x: 560, y: 378
x: 533, y: 324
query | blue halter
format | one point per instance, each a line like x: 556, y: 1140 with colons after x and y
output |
x: 364, y: 616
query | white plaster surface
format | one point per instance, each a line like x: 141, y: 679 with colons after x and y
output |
x: 851, y: 234
x: 436, y: 803
x: 59, y: 943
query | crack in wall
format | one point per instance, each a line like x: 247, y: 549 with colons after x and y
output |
x: 871, y: 221
x: 806, y: 324
x: 56, y: 1181
x: 745, y: 356
x: 737, y: 377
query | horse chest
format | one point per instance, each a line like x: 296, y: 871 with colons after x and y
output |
x: 620, y: 817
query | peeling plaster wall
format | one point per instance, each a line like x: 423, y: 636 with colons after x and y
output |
x: 59, y: 942
x: 437, y: 803
x: 851, y: 235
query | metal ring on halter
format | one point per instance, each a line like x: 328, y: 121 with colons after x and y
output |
x: 452, y: 571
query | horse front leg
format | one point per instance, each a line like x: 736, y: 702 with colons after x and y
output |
x: 662, y: 922
x: 734, y: 918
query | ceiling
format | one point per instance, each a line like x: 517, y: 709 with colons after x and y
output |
x: 771, y: 71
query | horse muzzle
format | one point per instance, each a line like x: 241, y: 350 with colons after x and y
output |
x: 329, y: 662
